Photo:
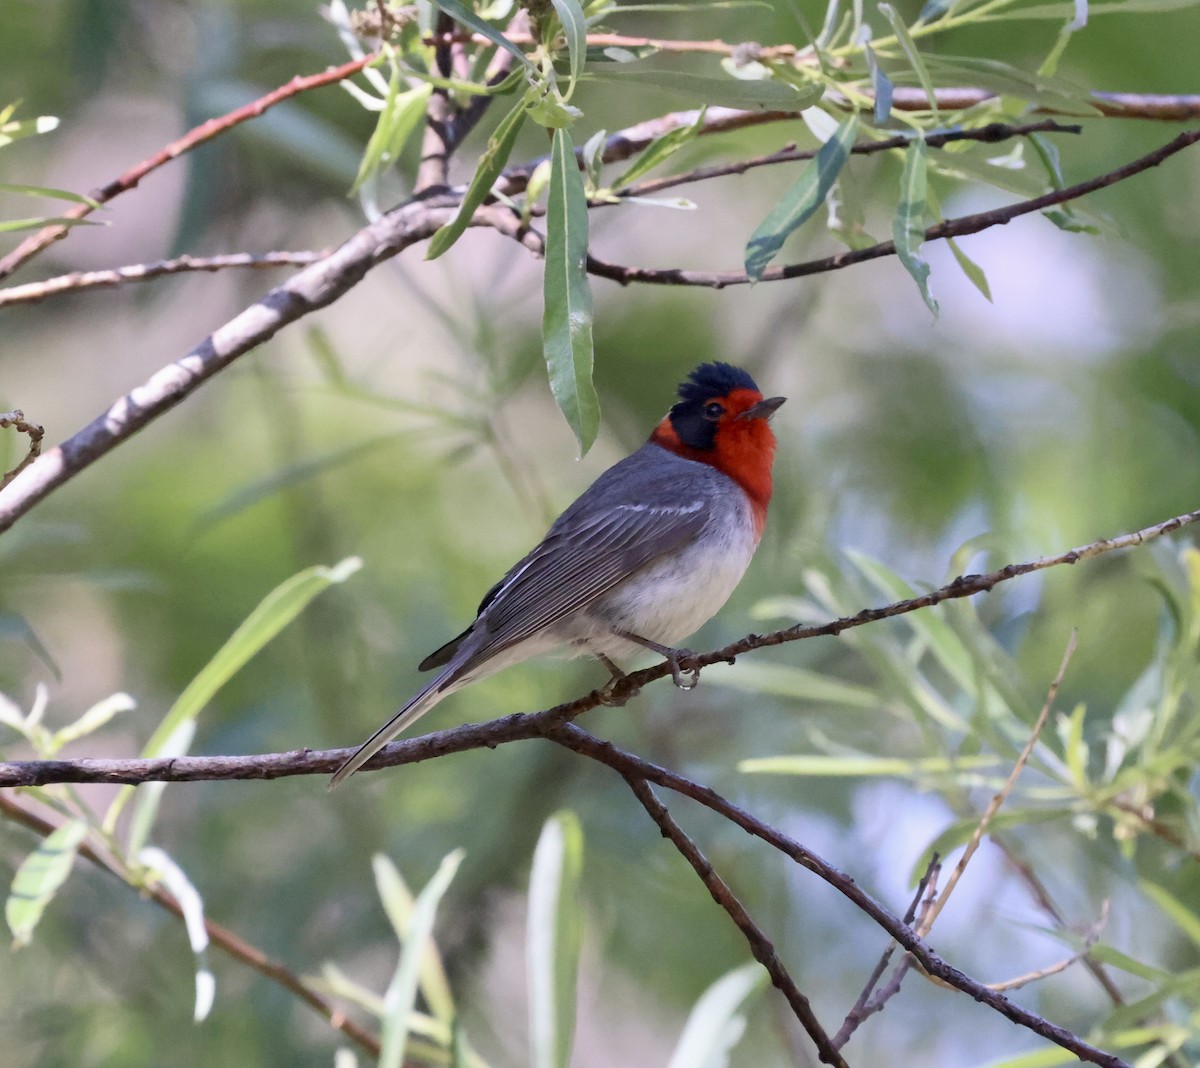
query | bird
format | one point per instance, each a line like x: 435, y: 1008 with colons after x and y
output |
x: 643, y: 558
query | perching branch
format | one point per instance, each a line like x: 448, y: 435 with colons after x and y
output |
x: 522, y: 726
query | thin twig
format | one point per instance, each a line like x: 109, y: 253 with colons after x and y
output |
x: 206, y: 131
x: 967, y: 224
x: 579, y: 741
x: 1001, y: 795
x: 864, y: 1007
x: 220, y: 936
x: 764, y: 952
x: 78, y: 281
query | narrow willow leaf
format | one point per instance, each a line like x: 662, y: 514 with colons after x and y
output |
x: 402, y: 990
x: 716, y: 1022
x: 1007, y: 80
x: 46, y: 191
x: 491, y: 163
x: 398, y: 903
x: 910, y: 50
x: 402, y: 114
x: 192, y: 906
x: 468, y: 18
x: 16, y: 131
x: 660, y: 149
x: 971, y: 269
x: 274, y: 612
x: 882, y: 85
x: 574, y: 25
x: 93, y: 719
x: 908, y: 226
x: 552, y: 947
x: 723, y: 92
x: 829, y: 26
x: 38, y: 878
x: 933, y: 10
x: 1187, y: 919
x: 148, y: 796
x: 567, y: 319
x: 593, y: 159
x: 801, y: 201
x: 11, y: 226
x: 856, y: 766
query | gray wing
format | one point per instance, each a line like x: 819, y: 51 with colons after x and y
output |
x: 597, y: 543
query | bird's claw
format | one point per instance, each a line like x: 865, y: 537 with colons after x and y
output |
x: 615, y: 692
x: 677, y: 660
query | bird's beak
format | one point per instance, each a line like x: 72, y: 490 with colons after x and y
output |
x: 764, y: 409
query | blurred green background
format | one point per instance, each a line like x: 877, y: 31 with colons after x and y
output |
x: 410, y: 424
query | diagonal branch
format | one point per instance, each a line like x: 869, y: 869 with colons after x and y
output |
x: 764, y: 952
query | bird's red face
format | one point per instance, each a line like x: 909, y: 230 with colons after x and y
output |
x: 729, y: 430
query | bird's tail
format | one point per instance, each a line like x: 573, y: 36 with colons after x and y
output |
x: 421, y: 702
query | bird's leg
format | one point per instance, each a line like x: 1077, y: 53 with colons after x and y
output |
x: 608, y: 692
x: 674, y: 657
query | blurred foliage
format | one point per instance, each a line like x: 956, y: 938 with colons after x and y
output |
x: 410, y: 426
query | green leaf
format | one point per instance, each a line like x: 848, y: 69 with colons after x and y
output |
x: 909, y: 47
x: 92, y: 720
x: 716, y: 1022
x: 723, y: 92
x: 13, y: 225
x: 623, y: 54
x: 402, y: 990
x: 274, y: 612
x: 398, y: 903
x: 491, y: 163
x: 970, y: 268
x: 882, y: 85
x: 908, y: 226
x: 801, y: 201
x: 864, y: 765
x: 1007, y: 80
x: 828, y: 26
x: 552, y: 946
x: 1187, y: 920
x: 567, y: 319
x: 192, y: 906
x: 783, y: 680
x: 402, y: 114
x: 49, y: 193
x: 660, y: 149
x: 149, y: 795
x: 574, y: 25
x: 16, y: 131
x: 38, y: 878
x: 469, y: 19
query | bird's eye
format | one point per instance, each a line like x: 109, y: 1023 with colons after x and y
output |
x: 714, y: 410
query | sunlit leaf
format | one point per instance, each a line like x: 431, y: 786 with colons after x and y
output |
x: 814, y: 764
x: 567, y: 319
x: 970, y: 268
x: 801, y: 201
x: 402, y: 990
x: 402, y: 115
x: 39, y: 877
x: 552, y: 947
x: 93, y: 719
x: 49, y: 193
x: 716, y: 1021
x: 192, y: 906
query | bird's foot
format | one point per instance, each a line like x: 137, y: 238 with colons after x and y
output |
x: 683, y: 663
x: 618, y: 689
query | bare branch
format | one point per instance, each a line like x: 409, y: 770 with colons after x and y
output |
x: 967, y: 224
x: 764, y: 952
x: 78, y: 281
x: 232, y: 944
x: 206, y: 131
x: 1001, y: 795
